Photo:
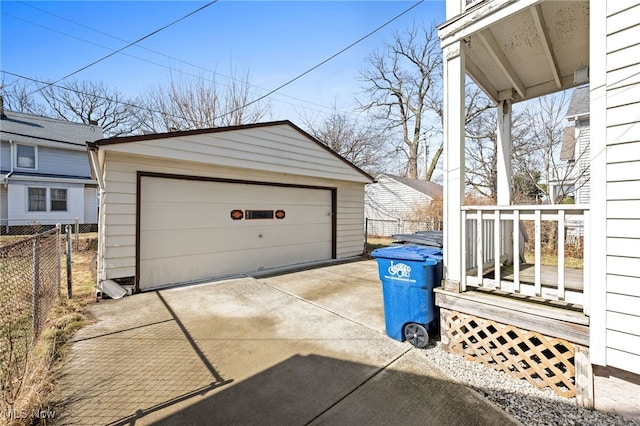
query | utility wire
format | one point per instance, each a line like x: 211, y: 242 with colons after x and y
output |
x: 35, y: 80
x: 324, y: 107
x: 128, y: 45
x: 323, y: 62
x: 271, y: 92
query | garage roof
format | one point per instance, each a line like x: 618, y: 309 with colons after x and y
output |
x: 278, y: 146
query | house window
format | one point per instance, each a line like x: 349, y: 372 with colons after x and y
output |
x: 471, y: 3
x: 259, y: 214
x: 58, y: 199
x: 26, y: 156
x: 37, y: 199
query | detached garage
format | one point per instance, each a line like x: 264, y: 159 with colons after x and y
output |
x: 183, y: 207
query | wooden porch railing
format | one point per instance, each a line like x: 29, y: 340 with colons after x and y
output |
x: 495, y: 250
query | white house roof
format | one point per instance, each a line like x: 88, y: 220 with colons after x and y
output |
x: 278, y: 146
x: 37, y: 130
x: 426, y: 187
x: 579, y: 104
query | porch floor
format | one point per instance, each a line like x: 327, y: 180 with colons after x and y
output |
x: 550, y: 317
x: 548, y: 276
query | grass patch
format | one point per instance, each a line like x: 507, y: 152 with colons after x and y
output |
x: 551, y: 260
x: 25, y: 395
x: 378, y: 242
x: 26, y: 389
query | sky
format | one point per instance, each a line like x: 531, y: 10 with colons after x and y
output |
x: 272, y: 41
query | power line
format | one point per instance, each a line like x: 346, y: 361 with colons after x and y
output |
x: 129, y: 45
x: 49, y: 84
x: 325, y: 61
x: 271, y: 92
x: 324, y: 107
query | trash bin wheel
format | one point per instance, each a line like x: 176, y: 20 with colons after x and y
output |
x: 416, y: 334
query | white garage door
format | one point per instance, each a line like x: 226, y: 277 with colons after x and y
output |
x: 187, y: 232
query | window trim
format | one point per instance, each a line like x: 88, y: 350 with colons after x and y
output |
x: 249, y: 213
x: 35, y: 157
x: 66, y: 199
x: 29, y: 199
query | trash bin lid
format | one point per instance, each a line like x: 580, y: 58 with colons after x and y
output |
x: 409, y: 252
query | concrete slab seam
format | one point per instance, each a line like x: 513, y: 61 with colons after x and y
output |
x: 316, y: 305
x: 375, y: 373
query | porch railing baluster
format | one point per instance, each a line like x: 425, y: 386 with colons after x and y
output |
x: 516, y: 250
x: 497, y: 252
x: 538, y: 252
x: 465, y: 254
x: 480, y: 247
x: 494, y: 239
x: 561, y: 295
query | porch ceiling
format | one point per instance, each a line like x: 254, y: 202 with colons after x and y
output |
x: 522, y: 49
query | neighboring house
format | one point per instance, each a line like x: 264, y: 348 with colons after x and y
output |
x: 392, y: 200
x: 572, y: 175
x: 584, y: 328
x: 189, y: 206
x: 44, y: 172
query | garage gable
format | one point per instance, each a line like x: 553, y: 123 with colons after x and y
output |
x: 273, y: 147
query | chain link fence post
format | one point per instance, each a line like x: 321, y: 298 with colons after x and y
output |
x: 36, y: 283
x: 69, y: 281
x: 59, y: 256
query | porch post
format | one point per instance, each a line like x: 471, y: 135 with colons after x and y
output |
x: 504, y: 172
x: 454, y: 78
x: 503, y: 154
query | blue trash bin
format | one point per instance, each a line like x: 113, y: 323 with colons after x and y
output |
x: 408, y: 274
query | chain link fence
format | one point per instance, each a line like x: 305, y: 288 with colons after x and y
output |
x: 9, y: 230
x: 30, y: 272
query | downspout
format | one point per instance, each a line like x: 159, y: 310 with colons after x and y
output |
x: 6, y: 177
x: 96, y: 170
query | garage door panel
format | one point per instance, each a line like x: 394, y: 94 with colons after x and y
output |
x: 187, y: 234
x: 191, y: 242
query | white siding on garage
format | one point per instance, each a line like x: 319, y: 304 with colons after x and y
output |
x: 623, y: 186
x: 118, y: 214
x: 273, y: 148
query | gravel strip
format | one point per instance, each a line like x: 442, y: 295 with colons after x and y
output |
x: 528, y: 404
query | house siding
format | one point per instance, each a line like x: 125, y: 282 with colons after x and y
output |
x: 3, y: 205
x: 5, y: 156
x: 386, y: 205
x: 17, y: 200
x: 584, y: 161
x: 63, y: 162
x: 622, y: 183
x: 118, y: 211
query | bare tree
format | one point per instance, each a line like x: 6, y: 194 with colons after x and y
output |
x: 543, y: 123
x: 360, y: 143
x: 202, y: 103
x: 536, y: 134
x: 16, y: 97
x: 93, y: 103
x: 402, y: 78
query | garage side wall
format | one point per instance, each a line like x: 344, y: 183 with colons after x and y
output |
x: 119, y: 208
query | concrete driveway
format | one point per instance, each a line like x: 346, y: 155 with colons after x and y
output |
x: 298, y: 348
